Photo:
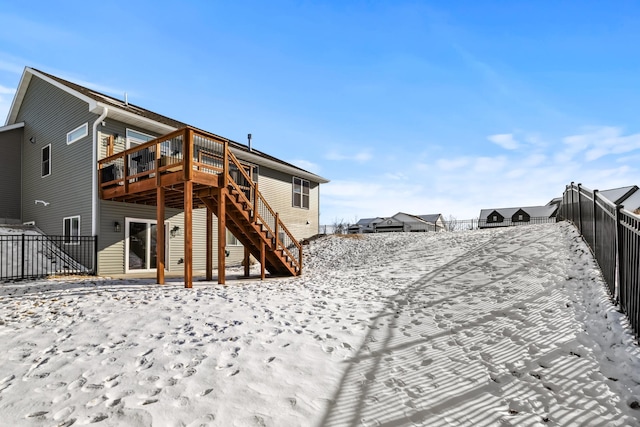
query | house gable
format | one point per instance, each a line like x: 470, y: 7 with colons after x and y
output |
x: 495, y: 217
x: 520, y: 216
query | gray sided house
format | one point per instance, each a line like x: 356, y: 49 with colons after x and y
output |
x: 52, y: 173
x: 400, y: 222
x: 504, y: 217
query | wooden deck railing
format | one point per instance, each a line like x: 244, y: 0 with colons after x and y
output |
x: 197, y: 156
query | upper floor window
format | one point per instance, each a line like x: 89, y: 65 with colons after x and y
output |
x: 46, y: 161
x: 71, y: 230
x: 520, y: 217
x: 78, y: 133
x: 300, y: 193
x: 495, y: 218
x: 136, y: 138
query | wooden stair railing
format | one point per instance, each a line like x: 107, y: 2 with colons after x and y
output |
x: 278, y: 237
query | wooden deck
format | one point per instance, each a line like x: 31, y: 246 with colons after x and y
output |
x: 189, y: 169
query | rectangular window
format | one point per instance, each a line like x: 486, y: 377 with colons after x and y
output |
x: 519, y: 217
x: 301, y: 193
x: 136, y: 138
x: 46, y: 160
x: 71, y: 230
x: 231, y: 239
x: 78, y: 133
x: 495, y: 218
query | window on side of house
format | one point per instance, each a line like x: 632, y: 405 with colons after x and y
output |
x: 78, y: 133
x: 46, y: 161
x: 495, y: 218
x: 231, y: 239
x: 520, y: 217
x: 301, y: 193
x: 136, y: 138
x: 71, y: 230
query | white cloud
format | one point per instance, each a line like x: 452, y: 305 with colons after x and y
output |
x: 489, y: 164
x: 361, y: 156
x: 504, y: 140
x: 6, y: 96
x: 599, y: 142
x: 452, y: 164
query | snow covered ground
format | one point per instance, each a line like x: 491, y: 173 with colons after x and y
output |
x: 482, y: 328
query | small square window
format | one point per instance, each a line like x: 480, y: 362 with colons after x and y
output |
x: 78, y: 133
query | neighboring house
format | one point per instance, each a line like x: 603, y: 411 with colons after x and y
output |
x: 504, y: 217
x: 388, y: 225
x: 399, y: 222
x: 365, y: 225
x: 621, y: 196
x: 53, y: 173
x: 414, y: 223
x: 436, y: 219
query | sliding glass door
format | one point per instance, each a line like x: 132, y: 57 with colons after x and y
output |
x: 140, y: 245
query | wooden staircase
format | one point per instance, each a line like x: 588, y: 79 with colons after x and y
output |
x: 188, y: 169
x: 254, y: 223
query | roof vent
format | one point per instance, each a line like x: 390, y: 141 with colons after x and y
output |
x: 249, y: 138
x: 126, y: 99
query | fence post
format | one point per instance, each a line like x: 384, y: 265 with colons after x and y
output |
x: 619, y: 257
x: 595, y: 205
x: 22, y: 259
x: 573, y: 216
x: 95, y: 255
x: 580, y: 207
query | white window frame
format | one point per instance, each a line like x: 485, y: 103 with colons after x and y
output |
x: 293, y: 193
x: 72, y: 239
x: 167, y: 246
x: 42, y: 161
x: 85, y: 131
x: 136, y: 141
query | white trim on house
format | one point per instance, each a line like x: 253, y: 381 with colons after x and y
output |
x: 135, y: 139
x: 42, y: 175
x: 73, y: 238
x: 11, y: 127
x: 78, y: 133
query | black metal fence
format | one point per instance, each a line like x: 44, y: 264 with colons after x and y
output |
x: 27, y: 256
x: 613, y: 234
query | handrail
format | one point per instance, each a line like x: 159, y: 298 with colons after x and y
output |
x: 278, y: 223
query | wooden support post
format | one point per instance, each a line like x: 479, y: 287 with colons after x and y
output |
x: 247, y: 258
x: 209, y: 267
x: 188, y: 230
x: 262, y: 250
x: 160, y: 238
x: 187, y: 168
x: 222, y: 234
x: 300, y: 269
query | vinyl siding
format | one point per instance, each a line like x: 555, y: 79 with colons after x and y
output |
x: 49, y: 113
x: 119, y: 131
x: 277, y: 189
x: 10, y: 171
x: 111, y: 257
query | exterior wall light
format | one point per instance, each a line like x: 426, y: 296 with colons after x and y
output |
x: 116, y: 227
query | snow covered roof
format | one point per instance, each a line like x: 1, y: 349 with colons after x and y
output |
x: 618, y: 195
x: 431, y: 217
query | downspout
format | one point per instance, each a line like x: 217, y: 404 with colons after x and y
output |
x: 94, y: 173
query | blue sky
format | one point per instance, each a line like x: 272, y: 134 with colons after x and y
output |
x: 414, y: 106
